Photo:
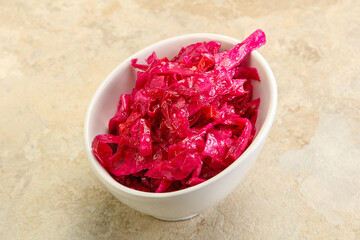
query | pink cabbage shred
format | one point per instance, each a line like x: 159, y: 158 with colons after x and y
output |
x: 186, y: 120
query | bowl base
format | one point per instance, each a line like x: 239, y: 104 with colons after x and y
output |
x: 176, y: 219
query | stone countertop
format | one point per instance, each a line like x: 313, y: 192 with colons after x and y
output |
x: 54, y: 54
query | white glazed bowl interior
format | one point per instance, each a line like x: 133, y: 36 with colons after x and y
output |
x: 188, y: 202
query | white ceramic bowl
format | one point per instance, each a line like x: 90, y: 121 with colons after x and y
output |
x: 182, y: 204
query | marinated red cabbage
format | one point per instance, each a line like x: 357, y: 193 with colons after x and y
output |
x: 186, y: 120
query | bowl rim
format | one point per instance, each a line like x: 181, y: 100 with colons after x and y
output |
x: 262, y: 134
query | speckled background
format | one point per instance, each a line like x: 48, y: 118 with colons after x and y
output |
x: 54, y: 54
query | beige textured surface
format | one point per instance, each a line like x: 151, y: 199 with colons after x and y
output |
x: 54, y: 54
